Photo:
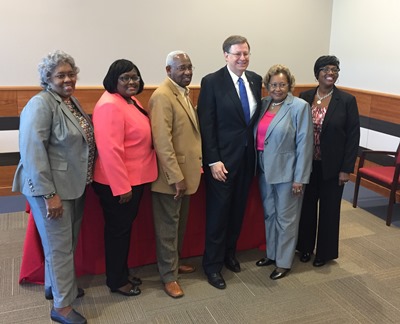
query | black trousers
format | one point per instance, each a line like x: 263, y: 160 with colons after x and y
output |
x: 225, y: 207
x: 320, y: 214
x: 117, y: 232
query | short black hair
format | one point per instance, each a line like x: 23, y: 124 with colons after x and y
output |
x: 117, y: 68
x: 324, y: 61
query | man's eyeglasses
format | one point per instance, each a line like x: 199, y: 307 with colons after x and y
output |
x: 127, y: 78
x: 274, y: 86
x: 327, y: 70
x: 239, y: 55
x: 183, y: 68
x: 62, y: 76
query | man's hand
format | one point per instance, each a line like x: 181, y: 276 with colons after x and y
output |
x: 218, y: 171
x: 180, y: 189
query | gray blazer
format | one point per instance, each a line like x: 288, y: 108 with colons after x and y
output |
x: 53, y: 147
x: 288, y: 144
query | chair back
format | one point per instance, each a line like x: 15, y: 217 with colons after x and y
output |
x: 398, y: 154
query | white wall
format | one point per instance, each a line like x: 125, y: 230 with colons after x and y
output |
x: 96, y: 32
x: 366, y: 38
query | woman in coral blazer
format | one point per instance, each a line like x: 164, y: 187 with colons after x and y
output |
x: 126, y: 161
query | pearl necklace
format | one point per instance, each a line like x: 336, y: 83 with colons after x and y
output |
x: 274, y: 104
x: 319, y: 101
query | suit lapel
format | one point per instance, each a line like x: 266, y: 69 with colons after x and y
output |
x: 64, y: 108
x: 333, y: 104
x: 232, y: 93
x: 183, y: 103
x: 278, y: 117
x: 280, y: 114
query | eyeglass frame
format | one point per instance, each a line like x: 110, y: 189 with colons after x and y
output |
x: 274, y: 86
x: 334, y: 70
x: 62, y: 76
x: 184, y: 68
x: 239, y: 55
x: 126, y: 78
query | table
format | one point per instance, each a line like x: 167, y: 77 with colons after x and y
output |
x: 89, y: 255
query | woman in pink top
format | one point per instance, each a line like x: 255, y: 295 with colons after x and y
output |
x: 126, y: 161
x: 284, y: 141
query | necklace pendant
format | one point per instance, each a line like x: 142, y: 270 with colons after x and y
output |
x: 319, y: 102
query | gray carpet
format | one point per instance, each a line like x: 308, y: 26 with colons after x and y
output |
x: 362, y: 286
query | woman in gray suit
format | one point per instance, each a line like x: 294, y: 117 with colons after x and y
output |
x: 57, y: 151
x: 284, y: 142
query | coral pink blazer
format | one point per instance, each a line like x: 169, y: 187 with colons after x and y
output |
x: 126, y: 156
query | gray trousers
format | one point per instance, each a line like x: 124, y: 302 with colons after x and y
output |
x: 59, y: 238
x: 170, y: 218
x: 282, y: 216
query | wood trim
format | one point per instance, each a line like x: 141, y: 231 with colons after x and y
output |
x: 371, y: 104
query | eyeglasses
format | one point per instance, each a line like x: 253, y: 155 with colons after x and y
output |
x: 183, y: 68
x: 239, y: 55
x: 274, y: 86
x: 327, y: 70
x: 62, y: 76
x: 127, y: 78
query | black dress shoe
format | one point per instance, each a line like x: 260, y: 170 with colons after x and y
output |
x: 135, y: 281
x: 73, y: 317
x: 319, y: 262
x: 305, y: 256
x: 278, y: 273
x: 48, y: 293
x: 215, y: 279
x: 232, y: 264
x: 134, y: 291
x: 264, y: 262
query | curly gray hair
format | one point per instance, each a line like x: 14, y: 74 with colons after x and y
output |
x: 50, y: 62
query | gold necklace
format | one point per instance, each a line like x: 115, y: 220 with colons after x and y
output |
x: 319, y: 101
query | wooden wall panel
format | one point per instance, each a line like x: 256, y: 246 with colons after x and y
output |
x: 385, y: 108
x: 380, y: 106
x: 8, y: 103
x: 6, y: 179
x: 363, y: 102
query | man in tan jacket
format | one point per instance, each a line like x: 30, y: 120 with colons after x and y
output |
x: 177, y: 141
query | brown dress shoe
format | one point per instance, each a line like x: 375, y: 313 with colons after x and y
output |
x: 186, y: 268
x: 173, y: 289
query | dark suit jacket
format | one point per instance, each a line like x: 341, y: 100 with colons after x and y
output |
x: 224, y: 131
x: 340, y: 133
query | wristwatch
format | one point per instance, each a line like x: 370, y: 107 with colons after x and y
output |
x: 50, y: 195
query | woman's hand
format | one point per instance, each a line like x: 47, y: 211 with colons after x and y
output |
x: 343, y: 178
x: 297, y: 189
x: 123, y: 199
x: 54, y: 207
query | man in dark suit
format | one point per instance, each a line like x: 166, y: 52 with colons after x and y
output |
x: 228, y: 107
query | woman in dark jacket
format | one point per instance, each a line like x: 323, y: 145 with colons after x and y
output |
x: 336, y: 140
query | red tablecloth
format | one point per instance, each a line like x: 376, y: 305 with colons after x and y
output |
x: 89, y: 256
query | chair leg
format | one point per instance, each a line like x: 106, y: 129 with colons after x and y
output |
x: 390, y: 207
x: 356, y: 188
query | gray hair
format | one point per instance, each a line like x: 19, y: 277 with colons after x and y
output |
x: 170, y: 57
x: 50, y: 62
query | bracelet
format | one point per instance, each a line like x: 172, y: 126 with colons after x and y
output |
x: 50, y: 195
